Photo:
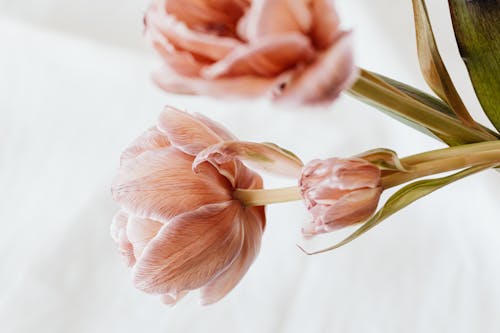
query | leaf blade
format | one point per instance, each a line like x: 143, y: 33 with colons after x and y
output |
x: 432, y: 65
x: 477, y: 31
x: 431, y: 101
x: 372, y: 90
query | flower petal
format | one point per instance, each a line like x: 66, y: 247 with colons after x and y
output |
x: 268, y: 56
x: 385, y: 159
x: 178, y: 34
x: 119, y: 235
x: 218, y: 129
x: 118, y: 224
x: 325, y: 27
x: 340, y: 174
x: 322, y: 81
x: 207, y: 13
x: 140, y: 231
x: 193, y: 133
x: 173, y: 297
x: 186, y: 132
x: 159, y: 185
x: 262, y: 156
x: 354, y: 207
x: 275, y: 17
x: 247, y: 178
x: 191, y: 250
x: 180, y: 61
x: 152, y: 139
x: 224, y: 283
x: 243, y: 86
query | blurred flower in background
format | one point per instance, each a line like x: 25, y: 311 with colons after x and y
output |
x: 293, y: 51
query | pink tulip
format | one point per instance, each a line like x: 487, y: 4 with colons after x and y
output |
x: 178, y: 229
x: 339, y: 192
x: 293, y: 51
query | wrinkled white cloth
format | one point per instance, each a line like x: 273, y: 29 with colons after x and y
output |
x: 75, y: 90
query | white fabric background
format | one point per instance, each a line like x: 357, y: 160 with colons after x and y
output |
x: 75, y: 90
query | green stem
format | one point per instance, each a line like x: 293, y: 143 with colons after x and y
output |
x: 381, y: 93
x: 441, y: 165
x: 420, y: 165
x: 265, y: 197
x: 451, y: 152
x: 444, y: 160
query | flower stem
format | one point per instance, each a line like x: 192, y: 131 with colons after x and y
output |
x: 265, y: 197
x: 444, y: 160
x: 370, y: 88
x: 420, y: 165
x: 444, y: 153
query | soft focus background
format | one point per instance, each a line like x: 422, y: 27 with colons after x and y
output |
x: 75, y: 90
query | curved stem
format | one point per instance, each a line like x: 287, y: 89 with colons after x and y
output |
x: 432, y: 167
x: 451, y: 152
x: 420, y: 165
x: 265, y: 197
x: 443, y: 160
x: 399, y: 103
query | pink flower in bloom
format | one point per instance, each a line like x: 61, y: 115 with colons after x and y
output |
x: 339, y: 192
x: 182, y: 230
x: 292, y: 49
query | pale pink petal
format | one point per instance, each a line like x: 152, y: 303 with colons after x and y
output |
x: 178, y: 34
x: 275, y: 17
x: 244, y: 86
x: 325, y: 28
x: 356, y: 175
x: 247, y: 178
x: 261, y: 156
x: 118, y: 224
x: 193, y: 133
x: 267, y: 56
x: 322, y: 81
x: 119, y: 235
x: 239, y: 175
x: 224, y: 283
x: 140, y: 231
x: 191, y: 250
x: 220, y: 130
x: 159, y: 185
x: 341, y: 174
x: 242, y: 26
x: 152, y: 139
x: 355, y: 207
x: 324, y: 182
x: 387, y: 160
x: 182, y: 62
x: 186, y: 132
x: 208, y: 14
x: 173, y: 297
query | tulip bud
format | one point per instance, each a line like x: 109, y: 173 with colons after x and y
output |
x: 339, y: 192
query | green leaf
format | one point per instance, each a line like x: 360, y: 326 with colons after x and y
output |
x: 402, y: 198
x: 402, y: 119
x: 432, y: 64
x: 418, y: 95
x: 375, y: 91
x: 432, y: 102
x: 396, y: 86
x: 477, y: 30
